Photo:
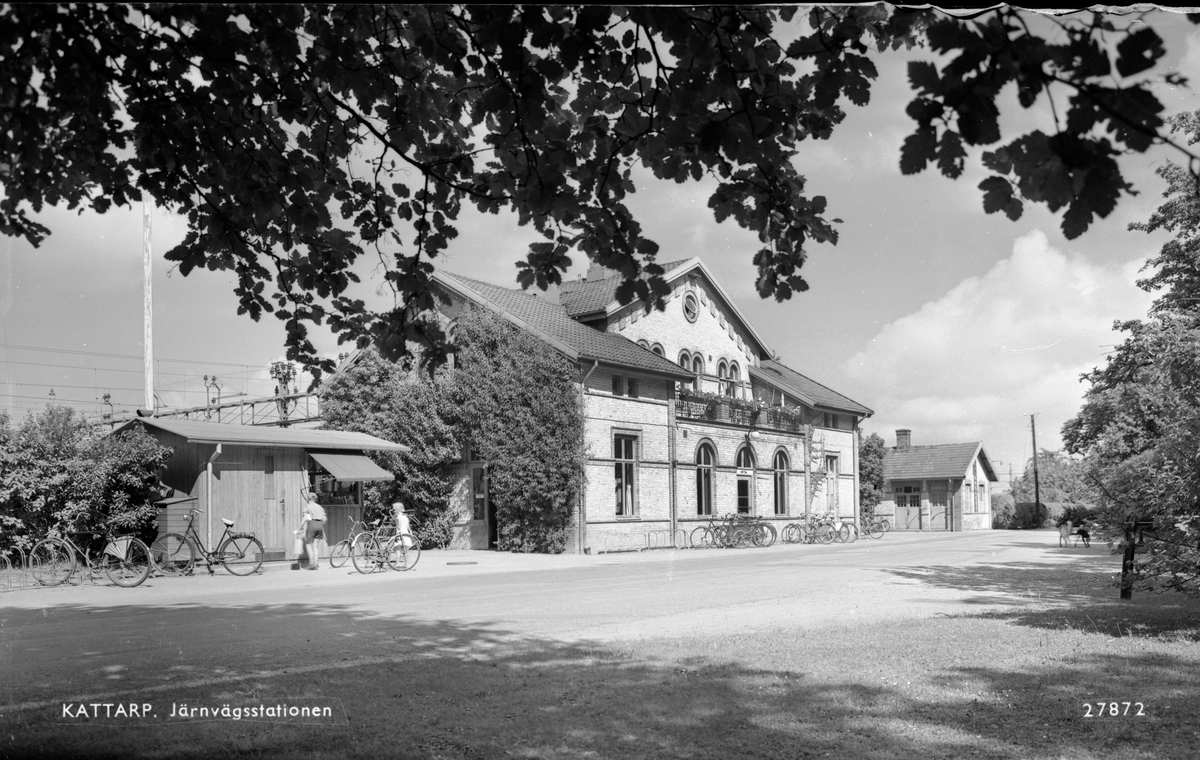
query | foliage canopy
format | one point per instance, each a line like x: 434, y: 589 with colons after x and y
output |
x: 58, y: 473
x: 1140, y: 421
x: 298, y: 139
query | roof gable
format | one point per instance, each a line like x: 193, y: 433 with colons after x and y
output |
x: 582, y: 298
x: 551, y: 323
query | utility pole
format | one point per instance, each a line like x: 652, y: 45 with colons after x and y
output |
x: 147, y: 307
x: 1037, y: 494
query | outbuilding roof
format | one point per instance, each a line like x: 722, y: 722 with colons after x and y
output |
x: 259, y: 435
x: 945, y: 460
x: 550, y: 322
x: 806, y: 389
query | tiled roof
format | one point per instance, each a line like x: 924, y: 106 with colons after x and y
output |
x: 580, y: 297
x: 263, y: 435
x: 946, y: 460
x: 551, y: 320
x: 806, y: 388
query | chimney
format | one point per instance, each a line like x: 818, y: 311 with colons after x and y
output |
x: 597, y: 272
x: 903, y: 438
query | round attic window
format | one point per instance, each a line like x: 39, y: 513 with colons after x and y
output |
x: 691, y: 309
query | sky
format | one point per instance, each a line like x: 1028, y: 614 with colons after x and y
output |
x: 955, y: 324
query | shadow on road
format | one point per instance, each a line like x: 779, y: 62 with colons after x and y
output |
x: 416, y: 689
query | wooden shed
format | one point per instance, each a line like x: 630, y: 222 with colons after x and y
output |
x: 258, y: 477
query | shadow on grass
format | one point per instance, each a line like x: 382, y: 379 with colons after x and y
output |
x: 415, y: 689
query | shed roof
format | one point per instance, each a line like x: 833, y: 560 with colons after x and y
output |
x: 550, y: 322
x: 258, y: 435
x: 944, y: 460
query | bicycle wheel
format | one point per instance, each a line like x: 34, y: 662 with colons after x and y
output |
x: 340, y: 553
x: 366, y: 555
x: 173, y: 554
x: 789, y: 533
x: 52, y: 561
x: 241, y: 555
x: 887, y: 525
x: 126, y: 561
x: 771, y: 534
x: 875, y: 530
x: 844, y: 533
x: 412, y: 550
x: 700, y: 538
x: 825, y: 534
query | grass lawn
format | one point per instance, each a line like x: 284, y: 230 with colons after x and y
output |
x: 1012, y: 682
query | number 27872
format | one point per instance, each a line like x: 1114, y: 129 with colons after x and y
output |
x: 1114, y: 709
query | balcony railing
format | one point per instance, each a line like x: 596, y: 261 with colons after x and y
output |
x: 732, y: 411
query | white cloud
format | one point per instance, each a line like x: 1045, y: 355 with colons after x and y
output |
x: 975, y: 363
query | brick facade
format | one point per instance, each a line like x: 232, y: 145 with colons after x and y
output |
x: 642, y: 449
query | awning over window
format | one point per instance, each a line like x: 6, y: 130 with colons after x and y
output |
x: 347, y: 467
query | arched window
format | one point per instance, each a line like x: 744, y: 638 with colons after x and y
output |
x: 644, y: 343
x: 745, y: 458
x: 734, y: 377
x: 781, y: 466
x: 705, y: 459
x: 658, y: 349
x: 698, y: 368
x: 745, y: 480
x: 685, y: 360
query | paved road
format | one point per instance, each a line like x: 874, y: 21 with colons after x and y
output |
x: 92, y: 640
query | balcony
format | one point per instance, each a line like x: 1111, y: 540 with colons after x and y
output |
x: 732, y: 411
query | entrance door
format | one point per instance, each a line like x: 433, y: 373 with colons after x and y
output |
x: 743, y: 495
x: 939, y: 507
x: 493, y: 532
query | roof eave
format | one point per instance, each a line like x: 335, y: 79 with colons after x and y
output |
x: 464, y: 291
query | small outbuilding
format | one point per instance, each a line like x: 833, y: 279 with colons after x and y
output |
x: 943, y: 487
x: 258, y: 477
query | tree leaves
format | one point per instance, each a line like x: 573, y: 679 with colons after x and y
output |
x: 317, y: 134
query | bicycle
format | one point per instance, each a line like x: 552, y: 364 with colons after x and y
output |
x: 124, y: 559
x: 343, y: 550
x: 175, y: 554
x: 384, y: 546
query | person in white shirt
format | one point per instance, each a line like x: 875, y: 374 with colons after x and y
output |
x: 403, y: 527
x: 314, y: 528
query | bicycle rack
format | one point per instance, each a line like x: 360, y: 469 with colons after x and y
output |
x: 20, y: 576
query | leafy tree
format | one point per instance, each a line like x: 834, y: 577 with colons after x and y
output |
x: 57, y: 473
x: 1003, y: 511
x: 1061, y: 478
x: 519, y: 404
x: 870, y: 474
x: 1140, y: 421
x: 388, y: 400
x: 313, y: 135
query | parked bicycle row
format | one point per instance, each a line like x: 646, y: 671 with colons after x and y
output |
x: 736, y: 531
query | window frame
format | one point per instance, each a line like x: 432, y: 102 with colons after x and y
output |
x: 705, y: 479
x: 692, y: 314
x: 779, y: 479
x: 625, y: 472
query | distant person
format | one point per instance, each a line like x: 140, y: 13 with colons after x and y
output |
x: 314, y: 528
x: 403, y: 526
x: 1064, y: 534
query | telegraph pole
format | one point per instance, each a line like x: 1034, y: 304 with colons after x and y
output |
x: 147, y: 307
x: 1037, y: 495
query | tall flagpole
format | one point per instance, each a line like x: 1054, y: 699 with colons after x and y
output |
x: 147, y: 307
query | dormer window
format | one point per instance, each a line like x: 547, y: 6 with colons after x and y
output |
x: 625, y: 386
